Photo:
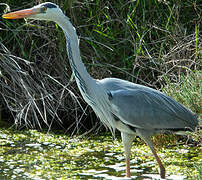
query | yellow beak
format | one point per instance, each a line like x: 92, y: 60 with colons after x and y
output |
x: 21, y: 14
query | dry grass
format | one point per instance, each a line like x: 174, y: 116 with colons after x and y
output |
x: 149, y: 43
x: 34, y: 97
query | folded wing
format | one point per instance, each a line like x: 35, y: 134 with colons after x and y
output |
x: 147, y: 109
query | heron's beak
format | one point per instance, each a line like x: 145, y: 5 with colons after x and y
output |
x: 22, y: 13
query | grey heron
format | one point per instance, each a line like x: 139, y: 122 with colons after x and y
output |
x: 131, y: 108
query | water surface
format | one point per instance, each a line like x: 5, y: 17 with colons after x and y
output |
x: 39, y: 155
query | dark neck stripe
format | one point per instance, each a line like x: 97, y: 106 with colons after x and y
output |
x: 81, y: 81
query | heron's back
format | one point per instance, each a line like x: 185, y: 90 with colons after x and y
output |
x: 143, y: 107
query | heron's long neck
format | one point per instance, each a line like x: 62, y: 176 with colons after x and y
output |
x: 83, y: 78
x: 88, y: 86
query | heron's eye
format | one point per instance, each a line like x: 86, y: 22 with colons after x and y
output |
x: 43, y: 9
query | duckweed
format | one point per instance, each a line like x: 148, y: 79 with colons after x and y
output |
x: 32, y: 154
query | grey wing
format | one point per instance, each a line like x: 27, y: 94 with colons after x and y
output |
x: 150, y: 109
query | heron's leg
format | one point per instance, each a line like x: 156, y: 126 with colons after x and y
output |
x: 127, y: 140
x: 151, y: 146
x: 162, y: 168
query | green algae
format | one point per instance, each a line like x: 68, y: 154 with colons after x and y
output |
x: 32, y: 154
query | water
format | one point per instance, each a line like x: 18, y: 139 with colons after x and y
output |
x: 36, y: 155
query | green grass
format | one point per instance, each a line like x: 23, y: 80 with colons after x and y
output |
x: 154, y: 43
x: 187, y: 91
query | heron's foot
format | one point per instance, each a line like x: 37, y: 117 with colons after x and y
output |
x: 162, y: 172
x: 128, y: 175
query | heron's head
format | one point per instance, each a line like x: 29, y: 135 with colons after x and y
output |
x: 44, y: 11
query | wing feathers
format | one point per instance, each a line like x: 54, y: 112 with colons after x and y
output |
x: 146, y: 109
